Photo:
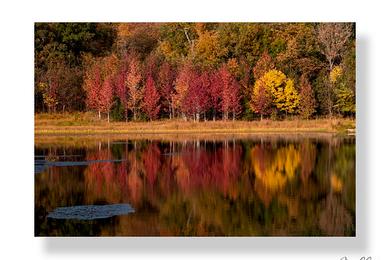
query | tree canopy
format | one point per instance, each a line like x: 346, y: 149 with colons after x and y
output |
x: 196, y: 70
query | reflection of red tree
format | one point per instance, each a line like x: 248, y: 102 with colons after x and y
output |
x: 122, y: 175
x: 231, y: 158
x: 167, y: 181
x: 152, y: 164
x: 201, y: 170
x: 100, y: 177
x: 134, y: 181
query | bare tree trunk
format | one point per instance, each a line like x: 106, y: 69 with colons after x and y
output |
x: 134, y: 113
x: 100, y: 117
x: 108, y: 116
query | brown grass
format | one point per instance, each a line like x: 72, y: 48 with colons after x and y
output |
x: 87, y: 123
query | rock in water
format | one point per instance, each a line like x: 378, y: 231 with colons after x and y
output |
x: 91, y: 212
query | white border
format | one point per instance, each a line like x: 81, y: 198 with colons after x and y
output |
x: 16, y: 100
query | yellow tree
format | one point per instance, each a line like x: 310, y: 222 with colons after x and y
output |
x: 208, y: 50
x: 284, y: 95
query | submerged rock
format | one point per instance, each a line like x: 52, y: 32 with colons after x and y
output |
x: 91, y: 212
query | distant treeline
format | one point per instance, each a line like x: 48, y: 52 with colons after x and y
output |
x: 199, y: 71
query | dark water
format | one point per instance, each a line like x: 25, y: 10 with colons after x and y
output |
x: 299, y: 185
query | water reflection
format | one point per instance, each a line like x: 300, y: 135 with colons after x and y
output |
x: 256, y: 186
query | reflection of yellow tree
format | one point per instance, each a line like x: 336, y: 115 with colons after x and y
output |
x: 273, y: 174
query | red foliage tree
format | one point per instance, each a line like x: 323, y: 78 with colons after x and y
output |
x: 120, y: 85
x: 106, y: 97
x: 230, y: 94
x: 197, y: 101
x: 166, y: 82
x: 215, y: 91
x: 261, y: 100
x: 92, y: 86
x: 185, y: 75
x: 151, y: 99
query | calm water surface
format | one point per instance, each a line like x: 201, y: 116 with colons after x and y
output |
x: 266, y: 185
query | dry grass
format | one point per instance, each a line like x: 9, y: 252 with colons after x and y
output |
x: 87, y: 123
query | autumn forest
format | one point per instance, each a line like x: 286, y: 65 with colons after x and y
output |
x: 196, y: 71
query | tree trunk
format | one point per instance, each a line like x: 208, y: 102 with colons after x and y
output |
x: 261, y: 117
x: 330, y: 90
x: 173, y: 111
x: 134, y: 114
x: 99, y: 115
x: 108, y: 116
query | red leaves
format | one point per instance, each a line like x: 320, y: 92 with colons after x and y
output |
x: 194, y: 92
x: 99, y: 84
x: 261, y: 100
x: 196, y: 101
x: 92, y: 87
x: 151, y: 99
x: 230, y: 93
x: 166, y: 82
x: 106, y: 95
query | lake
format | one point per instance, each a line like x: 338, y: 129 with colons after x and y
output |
x: 202, y: 185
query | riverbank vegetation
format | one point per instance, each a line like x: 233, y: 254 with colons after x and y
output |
x: 198, y: 72
x: 88, y: 123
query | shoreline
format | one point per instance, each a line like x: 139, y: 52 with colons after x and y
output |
x: 73, y: 124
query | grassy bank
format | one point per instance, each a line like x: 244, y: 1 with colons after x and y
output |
x: 87, y: 123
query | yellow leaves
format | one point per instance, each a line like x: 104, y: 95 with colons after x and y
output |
x: 233, y: 67
x: 208, y: 49
x: 335, y: 74
x: 49, y: 100
x: 167, y: 51
x: 42, y: 86
x: 273, y: 174
x: 285, y: 96
x: 258, y: 90
x: 336, y: 183
x: 273, y: 79
x: 291, y: 97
